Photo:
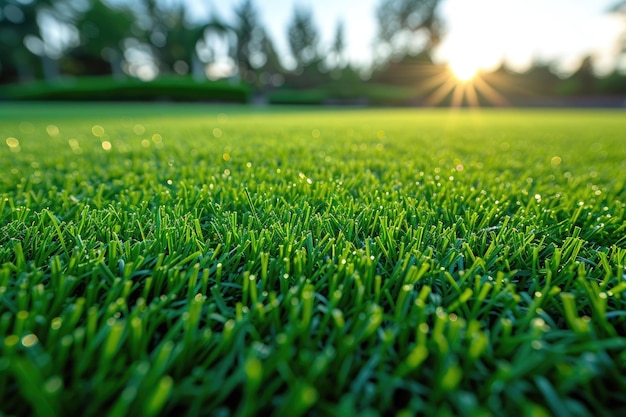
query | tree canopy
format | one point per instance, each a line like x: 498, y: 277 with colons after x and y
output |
x: 46, y: 39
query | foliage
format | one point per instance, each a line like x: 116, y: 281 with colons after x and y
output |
x: 303, y: 38
x: 102, y: 31
x: 404, y: 25
x: 173, y: 37
x: 344, y: 92
x: 18, y: 29
x: 45, y: 39
x: 193, y: 260
x: 338, y: 48
x: 613, y: 83
x: 250, y: 37
x: 107, y: 89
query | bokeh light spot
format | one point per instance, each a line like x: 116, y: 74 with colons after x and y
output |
x: 97, y: 130
x: 139, y: 129
x: 52, y: 130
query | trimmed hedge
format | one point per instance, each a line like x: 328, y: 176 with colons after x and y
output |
x: 337, y: 93
x: 109, y: 89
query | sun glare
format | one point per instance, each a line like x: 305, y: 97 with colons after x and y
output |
x: 463, y: 71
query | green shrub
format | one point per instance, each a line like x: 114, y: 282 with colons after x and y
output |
x: 108, y: 89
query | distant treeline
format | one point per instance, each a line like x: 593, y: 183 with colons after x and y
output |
x: 55, y: 40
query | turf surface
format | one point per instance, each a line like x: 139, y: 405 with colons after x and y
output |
x: 192, y: 260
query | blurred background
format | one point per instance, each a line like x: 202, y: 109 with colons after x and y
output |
x: 379, y: 52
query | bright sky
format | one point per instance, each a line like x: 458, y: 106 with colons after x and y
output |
x: 481, y: 31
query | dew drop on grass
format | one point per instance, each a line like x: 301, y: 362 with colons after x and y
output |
x: 12, y: 142
x: 139, y: 129
x: 52, y: 130
x: 97, y: 130
x: 106, y: 145
x: 11, y: 340
x: 53, y: 384
x: 56, y: 323
x: 538, y: 322
x: 29, y: 340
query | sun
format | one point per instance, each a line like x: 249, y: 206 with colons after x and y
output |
x: 464, y: 71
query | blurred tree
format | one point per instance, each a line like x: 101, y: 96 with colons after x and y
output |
x: 337, y: 50
x: 614, y: 83
x: 539, y: 79
x: 250, y: 36
x: 272, y: 71
x: 303, y: 38
x: 505, y: 81
x: 273, y: 63
x: 620, y: 9
x: 583, y: 80
x: 173, y: 38
x: 102, y: 31
x: 16, y: 22
x: 407, y: 27
x: 24, y: 52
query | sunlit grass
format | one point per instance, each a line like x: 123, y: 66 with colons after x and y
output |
x: 191, y: 260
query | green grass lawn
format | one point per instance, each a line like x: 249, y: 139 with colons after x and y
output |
x: 193, y: 260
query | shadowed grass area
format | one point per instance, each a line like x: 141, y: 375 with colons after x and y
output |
x: 193, y: 260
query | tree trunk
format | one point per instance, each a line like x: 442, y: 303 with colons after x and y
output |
x: 50, y: 68
x: 116, y: 66
x: 197, y: 68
